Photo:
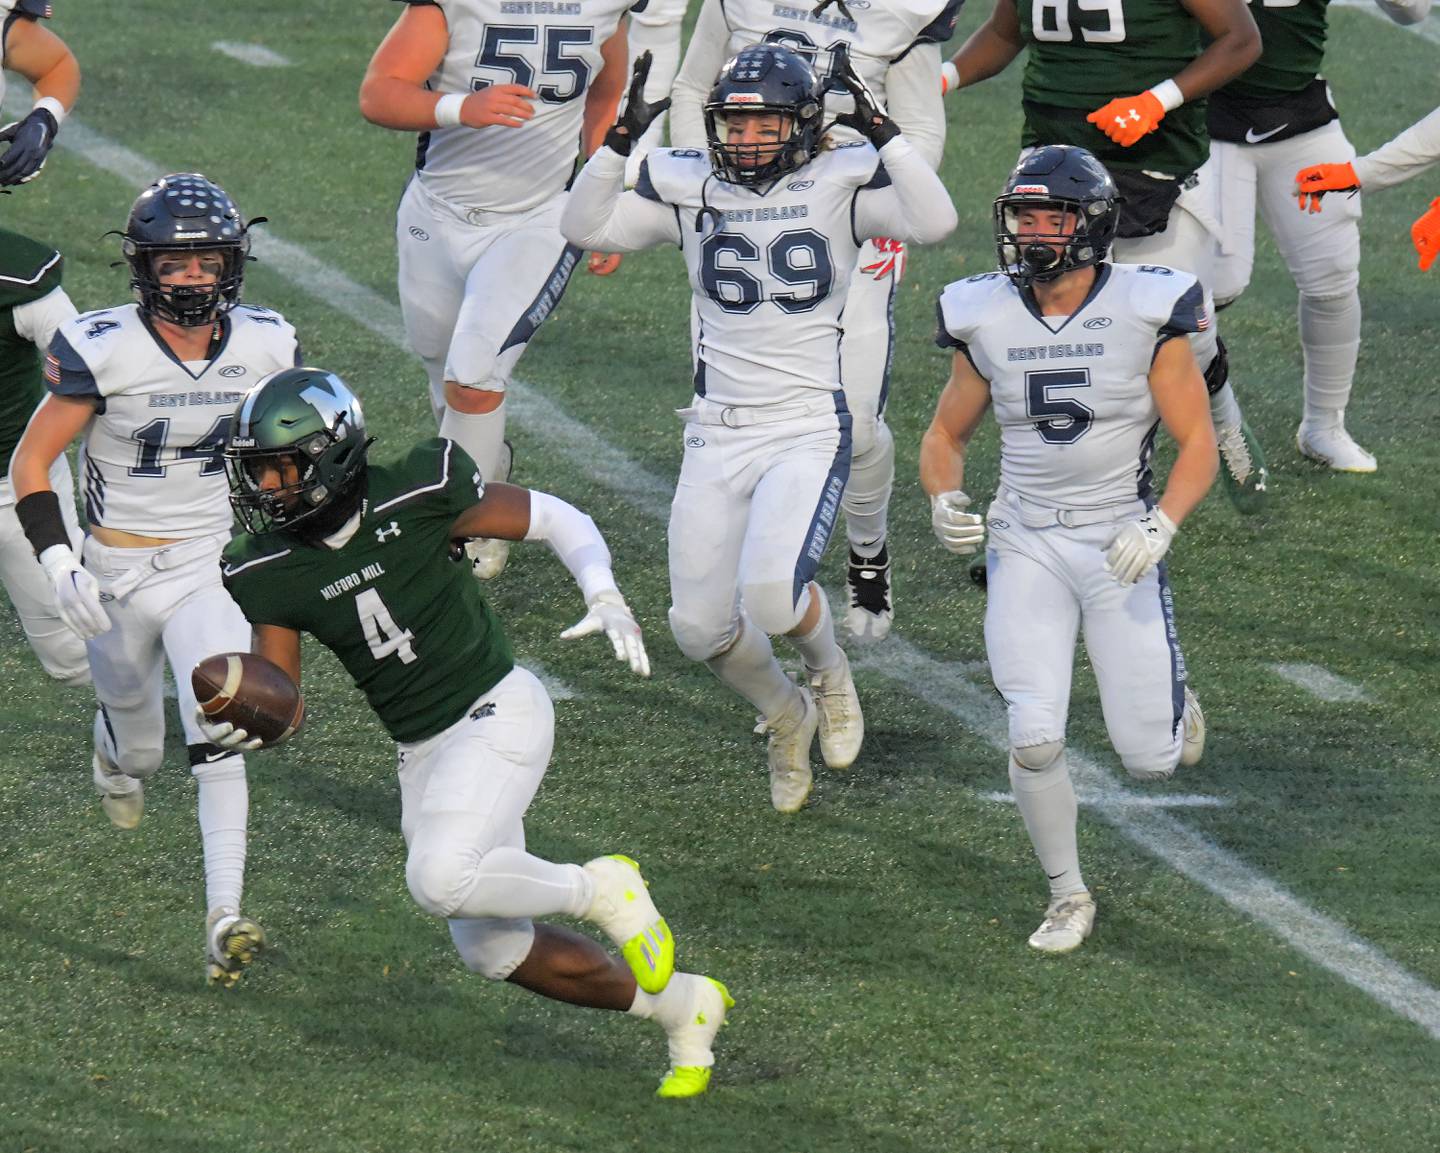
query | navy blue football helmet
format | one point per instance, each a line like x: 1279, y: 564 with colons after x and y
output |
x: 185, y: 212
x: 1064, y: 177
x: 764, y: 78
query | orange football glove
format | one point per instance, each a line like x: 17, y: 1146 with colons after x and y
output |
x: 1425, y: 232
x: 1312, y: 183
x: 1128, y: 119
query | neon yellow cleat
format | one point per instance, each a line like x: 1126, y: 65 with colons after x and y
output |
x: 694, y: 1038
x: 623, y: 909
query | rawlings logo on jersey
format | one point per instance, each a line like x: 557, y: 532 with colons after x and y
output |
x: 233, y: 370
x: 1098, y: 322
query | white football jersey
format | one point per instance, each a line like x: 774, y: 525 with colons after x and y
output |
x: 550, y: 46
x: 150, y: 462
x: 1072, y: 395
x: 876, y: 35
x: 770, y: 271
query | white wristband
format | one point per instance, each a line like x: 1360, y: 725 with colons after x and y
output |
x: 949, y: 77
x: 54, y: 107
x: 1169, y: 95
x: 447, y: 109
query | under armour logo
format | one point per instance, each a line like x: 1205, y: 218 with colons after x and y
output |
x: 1133, y: 114
x: 480, y: 712
x: 384, y: 534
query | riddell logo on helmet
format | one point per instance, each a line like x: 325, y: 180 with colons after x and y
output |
x: 744, y: 98
x: 1043, y: 189
x: 191, y: 235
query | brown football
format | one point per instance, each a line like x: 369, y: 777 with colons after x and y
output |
x: 250, y: 692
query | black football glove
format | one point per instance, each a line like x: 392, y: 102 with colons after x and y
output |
x: 868, y: 118
x: 638, y: 115
x: 30, y: 140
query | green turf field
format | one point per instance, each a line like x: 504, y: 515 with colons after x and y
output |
x: 1263, y: 968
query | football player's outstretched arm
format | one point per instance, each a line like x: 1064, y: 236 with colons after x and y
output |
x: 914, y: 103
x: 43, y: 59
x: 601, y: 215
x: 393, y: 93
x: 704, y: 57
x: 1396, y: 161
x: 512, y: 513
x: 1179, y: 392
x: 1404, y: 12
x: 602, y: 99
x: 1234, y: 46
x: 915, y: 206
x: 942, y: 458
x: 989, y: 50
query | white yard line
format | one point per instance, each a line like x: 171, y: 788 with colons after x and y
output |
x: 256, y: 55
x: 1133, y: 800
x: 945, y: 685
x: 1320, y: 682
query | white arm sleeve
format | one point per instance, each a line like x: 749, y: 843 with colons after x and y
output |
x: 1404, y: 11
x: 915, y: 206
x: 601, y: 217
x: 915, y: 102
x: 573, y: 537
x: 703, y: 60
x: 37, y: 320
x: 1409, y: 154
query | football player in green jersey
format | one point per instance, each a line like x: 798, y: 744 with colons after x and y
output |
x: 1085, y: 59
x: 361, y: 556
x: 1274, y: 119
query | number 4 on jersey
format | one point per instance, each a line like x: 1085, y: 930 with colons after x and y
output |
x: 382, y: 634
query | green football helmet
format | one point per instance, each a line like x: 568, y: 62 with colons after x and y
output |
x: 295, y: 453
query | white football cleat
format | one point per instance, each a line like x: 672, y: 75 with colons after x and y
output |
x: 871, y: 611
x: 1335, y: 448
x: 691, y: 1057
x: 789, y: 753
x: 122, y: 797
x: 487, y: 558
x: 621, y: 907
x: 1192, y: 747
x: 1067, y: 923
x: 232, y: 942
x: 842, y: 725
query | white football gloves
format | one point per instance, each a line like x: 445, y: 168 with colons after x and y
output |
x: 77, y: 593
x: 611, y: 615
x: 1138, y: 546
x: 963, y: 533
x: 226, y: 735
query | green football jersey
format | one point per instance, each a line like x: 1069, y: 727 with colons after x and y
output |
x: 407, y: 622
x: 1085, y: 53
x: 28, y: 271
x: 1294, y: 37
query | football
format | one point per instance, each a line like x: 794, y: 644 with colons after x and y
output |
x: 250, y: 692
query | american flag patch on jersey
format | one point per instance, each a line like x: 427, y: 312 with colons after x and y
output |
x: 1202, y: 319
x: 52, y: 369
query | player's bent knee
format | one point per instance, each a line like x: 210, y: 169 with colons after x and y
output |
x: 474, y: 398
x: 1038, y: 758
x: 1150, y: 767
x: 142, y: 762
x: 772, y: 606
x: 436, y: 881
x: 494, y: 947
x: 700, y: 641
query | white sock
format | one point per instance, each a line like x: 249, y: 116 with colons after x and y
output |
x: 510, y: 882
x: 817, y: 648
x: 482, y: 435
x: 224, y: 811
x: 1330, y: 338
x: 673, y: 1009
x: 867, y: 495
x: 750, y: 668
x: 1224, y: 409
x: 1046, y: 801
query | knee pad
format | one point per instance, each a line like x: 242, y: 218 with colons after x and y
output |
x: 435, y: 881
x: 1038, y: 758
x: 700, y: 642
x: 1217, y: 372
x: 140, y: 763
x: 772, y: 607
x: 493, y: 947
x: 1148, y: 769
x: 69, y: 674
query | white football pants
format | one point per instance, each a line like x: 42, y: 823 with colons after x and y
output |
x: 60, y: 651
x: 1045, y: 584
